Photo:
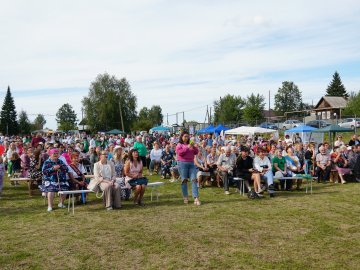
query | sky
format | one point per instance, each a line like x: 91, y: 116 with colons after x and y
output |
x: 181, y: 55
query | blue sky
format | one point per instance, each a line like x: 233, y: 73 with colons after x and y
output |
x: 180, y: 55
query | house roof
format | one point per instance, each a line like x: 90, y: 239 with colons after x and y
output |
x: 332, y: 102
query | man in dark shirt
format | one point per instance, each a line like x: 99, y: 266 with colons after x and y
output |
x: 354, y: 140
x: 244, y: 166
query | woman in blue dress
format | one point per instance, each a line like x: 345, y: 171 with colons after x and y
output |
x: 54, y: 178
x: 118, y: 161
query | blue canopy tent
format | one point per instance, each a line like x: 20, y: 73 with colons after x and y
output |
x: 220, y: 128
x: 209, y: 129
x: 301, y: 129
x: 160, y: 129
x: 305, y: 133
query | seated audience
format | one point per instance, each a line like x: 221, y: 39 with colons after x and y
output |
x: 226, y: 164
x: 134, y: 176
x: 166, y: 161
x: 104, y: 171
x: 54, y: 178
x: 212, y: 165
x: 293, y: 165
x: 203, y: 173
x: 263, y: 165
x: 340, y: 163
x: 245, y: 169
x: 280, y: 170
x: 155, y: 159
x: 323, y: 163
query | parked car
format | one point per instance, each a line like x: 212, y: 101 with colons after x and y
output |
x: 318, y: 123
x: 269, y: 125
x: 291, y: 124
x: 350, y: 123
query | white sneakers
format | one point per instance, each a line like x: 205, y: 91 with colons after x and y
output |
x: 227, y: 192
x: 60, y: 205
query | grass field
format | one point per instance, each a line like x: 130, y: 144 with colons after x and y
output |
x: 294, y: 230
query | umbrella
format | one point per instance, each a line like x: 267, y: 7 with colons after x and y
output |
x: 115, y: 131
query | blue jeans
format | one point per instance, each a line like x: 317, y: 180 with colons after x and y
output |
x: 188, y: 171
x: 152, y: 166
x: 269, y: 177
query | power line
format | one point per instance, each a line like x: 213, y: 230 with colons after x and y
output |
x: 189, y: 110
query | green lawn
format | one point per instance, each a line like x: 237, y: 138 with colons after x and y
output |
x: 292, y: 231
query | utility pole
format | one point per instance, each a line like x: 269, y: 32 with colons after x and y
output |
x: 269, y: 108
x: 82, y: 116
x: 207, y: 114
x: 121, y: 118
x: 167, y: 119
x: 210, y: 116
x: 183, y: 117
x: 177, y: 118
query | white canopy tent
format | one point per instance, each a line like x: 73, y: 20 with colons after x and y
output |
x: 244, y: 130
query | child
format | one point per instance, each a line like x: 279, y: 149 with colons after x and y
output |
x: 2, y: 172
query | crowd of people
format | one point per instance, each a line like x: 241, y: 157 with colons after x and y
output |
x: 57, y: 162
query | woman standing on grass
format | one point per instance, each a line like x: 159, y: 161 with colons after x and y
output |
x: 54, y: 178
x: 186, y: 151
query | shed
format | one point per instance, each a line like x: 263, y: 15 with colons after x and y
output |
x: 330, y: 107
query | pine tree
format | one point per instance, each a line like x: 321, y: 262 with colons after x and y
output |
x: 8, y: 124
x: 336, y: 87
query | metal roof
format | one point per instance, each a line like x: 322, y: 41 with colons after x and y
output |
x: 334, y: 102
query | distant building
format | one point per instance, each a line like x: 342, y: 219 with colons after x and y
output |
x: 269, y: 114
x: 329, y: 108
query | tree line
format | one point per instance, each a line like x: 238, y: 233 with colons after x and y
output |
x: 111, y: 104
x: 232, y: 108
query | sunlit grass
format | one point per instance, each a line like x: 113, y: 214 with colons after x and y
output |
x: 292, y: 231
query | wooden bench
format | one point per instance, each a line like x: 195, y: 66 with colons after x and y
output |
x: 23, y: 179
x: 72, y: 196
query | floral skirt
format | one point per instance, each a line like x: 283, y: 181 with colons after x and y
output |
x: 49, y: 186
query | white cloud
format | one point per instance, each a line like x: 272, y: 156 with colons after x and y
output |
x: 178, y: 54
